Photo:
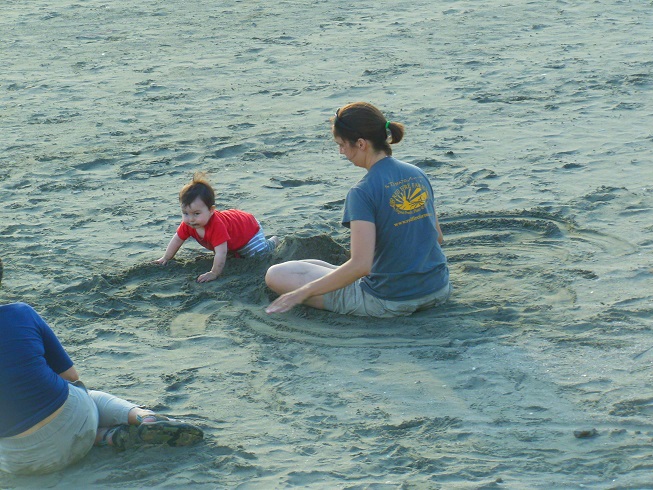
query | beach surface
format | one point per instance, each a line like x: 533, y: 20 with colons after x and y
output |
x: 534, y: 123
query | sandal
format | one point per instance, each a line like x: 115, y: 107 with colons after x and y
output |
x: 153, y: 429
x: 122, y: 437
x: 159, y: 429
x: 171, y: 432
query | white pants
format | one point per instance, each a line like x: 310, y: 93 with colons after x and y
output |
x: 68, y: 437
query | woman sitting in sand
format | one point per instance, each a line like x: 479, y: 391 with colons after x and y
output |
x: 397, y: 266
x: 48, y: 418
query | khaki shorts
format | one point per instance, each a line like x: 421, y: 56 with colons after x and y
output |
x: 353, y: 300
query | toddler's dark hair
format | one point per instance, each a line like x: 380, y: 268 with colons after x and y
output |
x: 199, y: 187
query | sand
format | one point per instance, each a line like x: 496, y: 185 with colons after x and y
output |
x: 533, y: 121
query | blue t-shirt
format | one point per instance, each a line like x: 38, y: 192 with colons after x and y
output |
x: 408, y: 261
x: 31, y: 359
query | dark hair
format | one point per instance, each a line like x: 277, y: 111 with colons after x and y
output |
x: 363, y: 120
x: 199, y: 187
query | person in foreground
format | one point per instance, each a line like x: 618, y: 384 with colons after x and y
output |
x: 231, y: 230
x: 48, y: 419
x: 397, y: 266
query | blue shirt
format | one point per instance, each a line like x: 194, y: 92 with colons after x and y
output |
x: 408, y: 261
x: 31, y: 358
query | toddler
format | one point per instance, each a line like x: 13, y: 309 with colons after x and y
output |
x: 231, y: 230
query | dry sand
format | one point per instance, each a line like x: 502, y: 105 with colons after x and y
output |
x: 533, y: 120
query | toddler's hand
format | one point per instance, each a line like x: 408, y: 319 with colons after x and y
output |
x: 207, y: 276
x: 161, y: 261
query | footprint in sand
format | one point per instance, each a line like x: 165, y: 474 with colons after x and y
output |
x: 192, y: 323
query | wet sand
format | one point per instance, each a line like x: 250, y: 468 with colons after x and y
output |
x: 533, y: 122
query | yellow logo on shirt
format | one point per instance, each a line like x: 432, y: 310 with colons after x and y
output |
x: 409, y: 198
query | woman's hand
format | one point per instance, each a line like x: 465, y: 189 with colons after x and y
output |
x: 285, y: 302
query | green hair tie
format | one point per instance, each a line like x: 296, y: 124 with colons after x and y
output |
x: 387, y: 125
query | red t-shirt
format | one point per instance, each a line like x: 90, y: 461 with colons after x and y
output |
x: 232, y: 226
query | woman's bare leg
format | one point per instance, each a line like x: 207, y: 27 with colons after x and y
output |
x: 288, y: 276
x: 320, y: 262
